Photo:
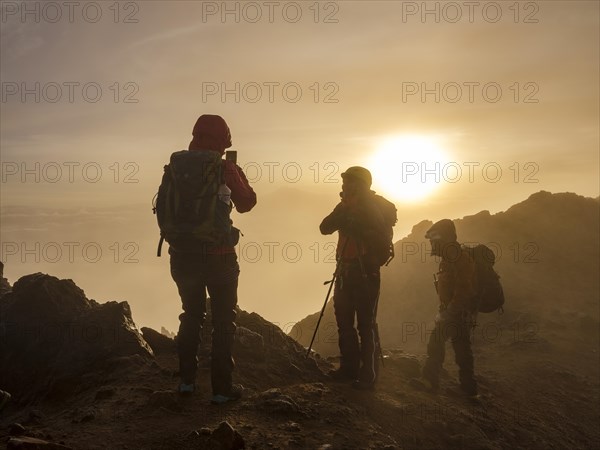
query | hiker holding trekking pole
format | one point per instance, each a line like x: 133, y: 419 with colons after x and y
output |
x: 364, y: 224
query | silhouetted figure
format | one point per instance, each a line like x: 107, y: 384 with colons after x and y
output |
x: 456, y: 288
x: 199, y: 264
x: 364, y: 222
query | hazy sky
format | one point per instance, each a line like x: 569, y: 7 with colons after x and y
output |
x: 94, y: 100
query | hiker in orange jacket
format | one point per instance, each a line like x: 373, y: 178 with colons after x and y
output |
x: 361, y: 224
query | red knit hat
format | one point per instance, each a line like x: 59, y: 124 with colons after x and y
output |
x: 211, y: 133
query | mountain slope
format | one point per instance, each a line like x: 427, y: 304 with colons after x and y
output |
x: 106, y: 384
x: 127, y: 401
x: 542, y: 354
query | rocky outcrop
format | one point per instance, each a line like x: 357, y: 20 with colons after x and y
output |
x: 158, y: 342
x: 5, y: 287
x: 52, y: 334
x: 263, y: 351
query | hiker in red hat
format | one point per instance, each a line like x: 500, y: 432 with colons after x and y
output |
x: 194, y: 202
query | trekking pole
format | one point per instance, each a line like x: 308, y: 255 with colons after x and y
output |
x: 331, y: 283
x: 376, y: 330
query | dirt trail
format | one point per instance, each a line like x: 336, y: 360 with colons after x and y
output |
x: 533, y: 395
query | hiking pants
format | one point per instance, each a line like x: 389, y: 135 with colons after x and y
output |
x: 356, y: 295
x: 458, y: 330
x: 194, y: 275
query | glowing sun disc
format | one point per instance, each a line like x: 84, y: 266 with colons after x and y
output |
x: 408, y: 168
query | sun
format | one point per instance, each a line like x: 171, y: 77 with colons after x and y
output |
x: 408, y: 168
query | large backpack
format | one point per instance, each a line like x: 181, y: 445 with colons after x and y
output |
x: 383, y: 247
x: 187, y: 207
x: 490, y: 295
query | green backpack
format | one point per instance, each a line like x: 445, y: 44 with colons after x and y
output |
x: 188, y: 210
x: 490, y: 295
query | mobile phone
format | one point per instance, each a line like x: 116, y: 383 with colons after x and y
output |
x: 231, y: 155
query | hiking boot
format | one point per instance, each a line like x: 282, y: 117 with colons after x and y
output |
x: 475, y: 398
x: 462, y: 393
x: 186, y: 389
x: 4, y: 399
x: 363, y: 385
x: 235, y: 393
x: 470, y: 392
x: 341, y: 374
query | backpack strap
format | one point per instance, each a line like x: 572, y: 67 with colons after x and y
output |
x: 166, y: 173
x: 160, y: 243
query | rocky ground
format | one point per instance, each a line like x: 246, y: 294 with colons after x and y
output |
x: 119, y: 393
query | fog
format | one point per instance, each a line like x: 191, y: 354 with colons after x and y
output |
x: 79, y: 173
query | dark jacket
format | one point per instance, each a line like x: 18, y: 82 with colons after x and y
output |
x: 359, y: 222
x: 456, y: 282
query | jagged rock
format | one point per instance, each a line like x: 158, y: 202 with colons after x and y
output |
x: 40, y: 297
x: 281, y: 405
x: 192, y: 435
x: 225, y: 437
x: 16, y: 429
x: 312, y: 389
x: 274, y: 401
x: 249, y: 341
x: 29, y: 443
x: 167, y: 333
x: 254, y: 333
x: 263, y: 348
x: 158, y: 342
x: 53, y: 335
x: 5, y: 287
x: 269, y: 394
x: 291, y: 426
